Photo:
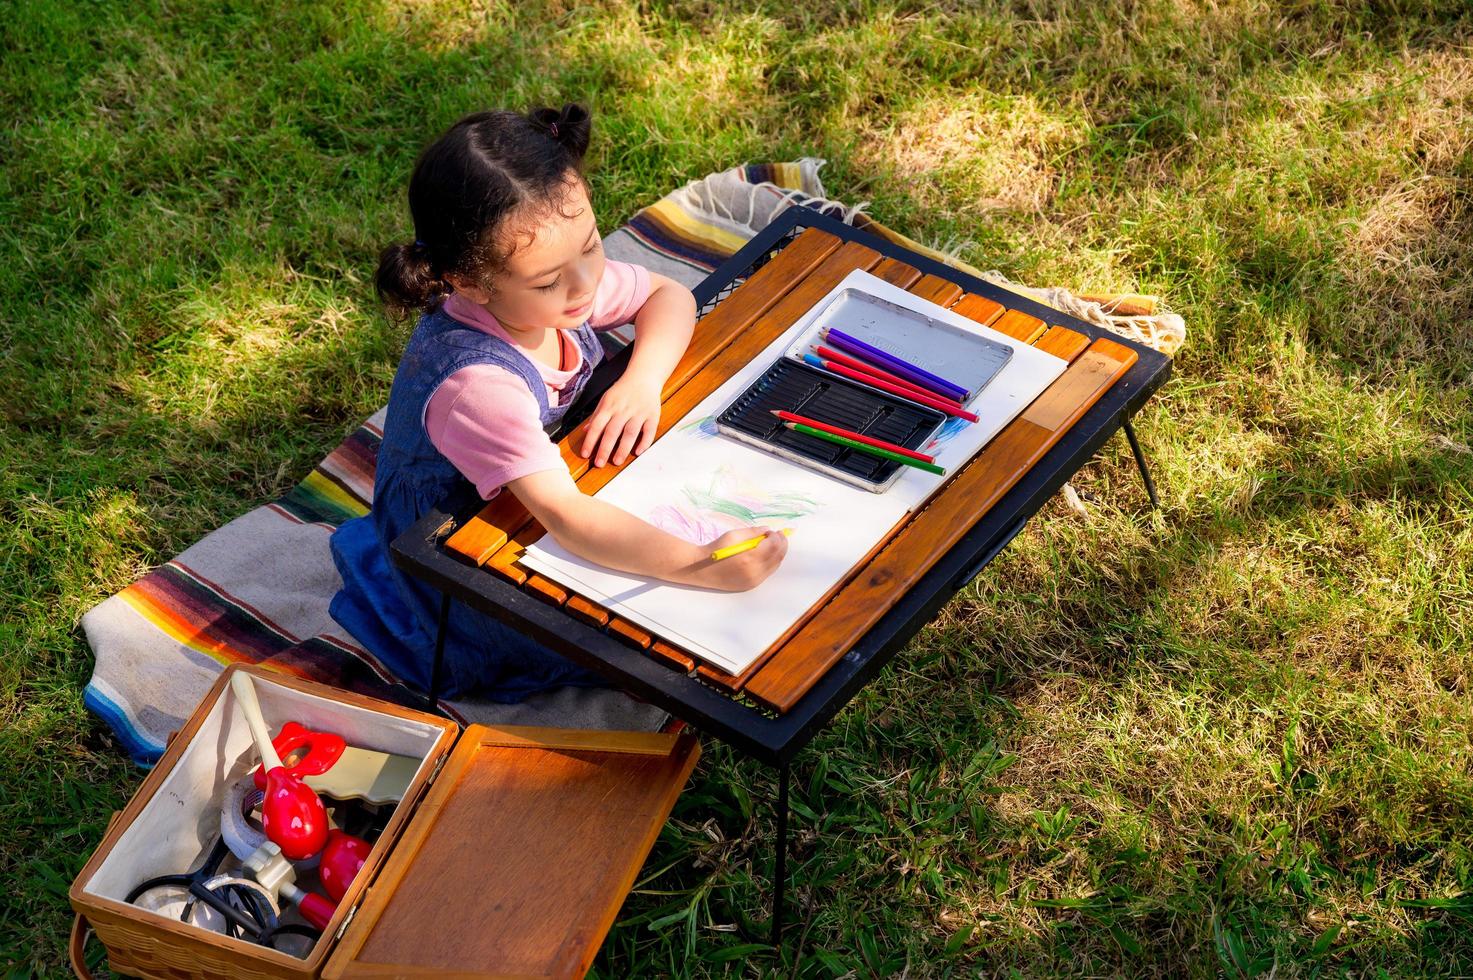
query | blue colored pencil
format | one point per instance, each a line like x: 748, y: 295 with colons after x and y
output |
x: 900, y: 366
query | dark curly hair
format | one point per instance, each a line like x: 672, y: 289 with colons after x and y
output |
x: 484, y: 168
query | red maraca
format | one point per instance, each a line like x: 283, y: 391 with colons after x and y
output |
x: 341, y: 859
x: 292, y: 815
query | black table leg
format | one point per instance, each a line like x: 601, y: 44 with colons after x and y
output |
x: 780, y: 862
x: 1140, y: 461
x: 438, y: 666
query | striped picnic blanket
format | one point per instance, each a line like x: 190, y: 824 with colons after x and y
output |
x: 257, y: 589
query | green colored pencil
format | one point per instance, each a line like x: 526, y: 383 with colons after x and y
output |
x: 861, y: 447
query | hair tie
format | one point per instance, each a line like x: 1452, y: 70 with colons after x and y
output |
x: 553, y: 128
x: 419, y: 244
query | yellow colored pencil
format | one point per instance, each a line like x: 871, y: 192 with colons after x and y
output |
x: 741, y: 546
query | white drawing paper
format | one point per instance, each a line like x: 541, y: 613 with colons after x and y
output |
x: 699, y: 486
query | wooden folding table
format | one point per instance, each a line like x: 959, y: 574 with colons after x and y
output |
x: 779, y: 704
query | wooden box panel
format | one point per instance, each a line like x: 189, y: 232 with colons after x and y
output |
x: 520, y: 856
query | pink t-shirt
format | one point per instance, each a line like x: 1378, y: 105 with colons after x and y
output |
x: 484, y: 420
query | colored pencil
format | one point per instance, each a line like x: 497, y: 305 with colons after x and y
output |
x: 867, y: 368
x: 932, y: 383
x: 930, y: 401
x: 863, y: 448
x: 856, y: 436
x: 741, y: 546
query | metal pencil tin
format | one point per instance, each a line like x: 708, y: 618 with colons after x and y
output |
x: 802, y: 389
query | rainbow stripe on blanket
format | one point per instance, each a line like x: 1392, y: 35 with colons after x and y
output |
x: 206, y: 620
x: 204, y: 616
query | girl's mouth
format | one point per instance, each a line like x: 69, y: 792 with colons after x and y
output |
x: 579, y: 310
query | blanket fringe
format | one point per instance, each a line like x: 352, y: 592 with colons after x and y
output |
x: 1127, y: 314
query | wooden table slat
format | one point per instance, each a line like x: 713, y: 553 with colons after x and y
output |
x: 942, y: 292
x: 546, y: 589
x: 830, y: 634
x: 587, y: 610
x: 1019, y: 326
x: 505, y: 560
x: 672, y: 656
x: 1063, y: 342
x: 979, y: 308
x: 897, y: 273
x: 478, y: 539
x: 629, y: 633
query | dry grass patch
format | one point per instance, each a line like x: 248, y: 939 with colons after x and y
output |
x: 973, y: 153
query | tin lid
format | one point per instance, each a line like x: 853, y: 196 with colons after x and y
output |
x: 520, y: 855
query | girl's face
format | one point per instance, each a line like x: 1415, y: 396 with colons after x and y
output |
x: 550, y: 281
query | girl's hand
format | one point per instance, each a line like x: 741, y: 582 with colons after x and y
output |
x: 748, y: 569
x: 624, y: 422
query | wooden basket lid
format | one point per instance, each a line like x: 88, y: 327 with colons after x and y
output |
x: 520, y: 856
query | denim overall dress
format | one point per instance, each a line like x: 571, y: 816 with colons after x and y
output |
x: 396, y: 616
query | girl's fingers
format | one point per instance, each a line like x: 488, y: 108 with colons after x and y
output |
x: 617, y: 434
x: 608, y: 440
x: 772, y: 549
x: 647, y: 434
x: 596, y: 426
x: 627, y: 438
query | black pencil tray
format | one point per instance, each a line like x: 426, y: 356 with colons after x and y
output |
x: 802, y: 389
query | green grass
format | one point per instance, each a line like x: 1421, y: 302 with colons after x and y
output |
x: 1232, y: 737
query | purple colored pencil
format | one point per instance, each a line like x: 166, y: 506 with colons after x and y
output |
x: 901, y: 367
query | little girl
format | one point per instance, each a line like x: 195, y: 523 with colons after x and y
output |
x: 508, y: 270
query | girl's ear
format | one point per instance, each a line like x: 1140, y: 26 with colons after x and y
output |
x: 476, y: 294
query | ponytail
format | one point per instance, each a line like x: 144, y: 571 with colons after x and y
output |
x: 406, y: 279
x: 570, y: 127
x: 464, y: 186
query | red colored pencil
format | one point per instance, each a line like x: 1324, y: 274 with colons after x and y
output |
x: 895, y: 379
x: 857, y: 437
x: 930, y: 401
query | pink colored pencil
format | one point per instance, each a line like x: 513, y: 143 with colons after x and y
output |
x: 930, y: 401
x: 895, y: 379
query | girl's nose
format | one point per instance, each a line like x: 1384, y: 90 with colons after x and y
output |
x: 582, y: 278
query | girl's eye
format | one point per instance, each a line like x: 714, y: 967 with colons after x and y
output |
x: 597, y: 244
x: 551, y: 285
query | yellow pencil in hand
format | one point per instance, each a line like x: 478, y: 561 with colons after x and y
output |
x: 741, y: 546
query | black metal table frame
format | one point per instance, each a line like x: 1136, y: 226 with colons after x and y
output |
x: 776, y: 739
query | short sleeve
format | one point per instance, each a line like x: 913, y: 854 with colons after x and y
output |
x: 485, y: 421
x: 622, y: 291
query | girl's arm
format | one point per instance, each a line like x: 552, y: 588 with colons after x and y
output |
x: 629, y: 412
x: 615, y: 538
